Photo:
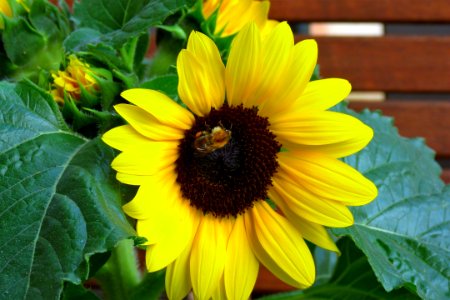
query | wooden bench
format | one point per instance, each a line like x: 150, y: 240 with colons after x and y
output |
x: 418, y: 65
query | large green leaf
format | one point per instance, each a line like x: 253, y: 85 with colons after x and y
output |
x: 120, y: 20
x: 59, y: 202
x: 405, y: 232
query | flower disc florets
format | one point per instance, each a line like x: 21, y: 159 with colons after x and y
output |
x: 228, y: 179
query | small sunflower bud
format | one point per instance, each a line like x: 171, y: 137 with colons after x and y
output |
x: 76, y: 82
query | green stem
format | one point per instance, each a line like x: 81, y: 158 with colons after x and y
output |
x: 128, y: 52
x: 120, y: 275
x: 129, y: 80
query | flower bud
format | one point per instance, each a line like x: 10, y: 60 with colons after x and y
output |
x: 77, y: 81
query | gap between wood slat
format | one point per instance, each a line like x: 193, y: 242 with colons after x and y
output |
x: 361, y: 10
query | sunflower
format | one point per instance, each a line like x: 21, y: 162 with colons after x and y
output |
x: 246, y: 172
x: 77, y: 76
x: 232, y: 15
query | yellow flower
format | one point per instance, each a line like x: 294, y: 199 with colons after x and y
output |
x: 5, y: 9
x: 76, y: 77
x: 233, y: 15
x: 255, y: 129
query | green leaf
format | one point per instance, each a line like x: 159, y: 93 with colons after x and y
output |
x: 405, y: 232
x: 120, y: 20
x: 76, y: 292
x: 79, y: 38
x: 167, y: 84
x: 352, y: 279
x: 48, y: 20
x: 325, y: 262
x: 21, y: 41
x: 59, y: 202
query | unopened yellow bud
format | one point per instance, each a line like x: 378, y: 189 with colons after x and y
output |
x: 77, y: 76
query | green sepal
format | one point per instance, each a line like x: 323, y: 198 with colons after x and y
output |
x: 88, y: 99
x: 74, y: 116
x: 139, y: 240
x: 104, y: 120
x: 175, y: 30
x: 109, y: 89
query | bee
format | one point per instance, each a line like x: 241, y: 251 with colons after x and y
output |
x: 208, y: 141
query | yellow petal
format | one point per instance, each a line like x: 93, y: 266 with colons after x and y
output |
x: 161, y: 107
x: 279, y: 246
x: 269, y: 25
x: 242, y: 74
x: 310, y: 231
x: 322, y: 94
x: 258, y: 13
x: 219, y: 292
x: 206, y: 51
x: 241, y: 267
x: 208, y: 7
x: 193, y: 83
x: 179, y: 224
x: 334, y: 134
x: 316, y: 234
x: 328, y: 177
x: 208, y: 256
x: 178, y: 279
x: 154, y: 197
x: 275, y: 60
x: 302, y: 64
x: 307, y: 205
x: 125, y: 138
x: 133, y: 179
x: 146, y: 124
x: 233, y: 18
x: 148, y: 161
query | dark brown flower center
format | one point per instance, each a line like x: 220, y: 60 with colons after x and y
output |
x: 226, y: 161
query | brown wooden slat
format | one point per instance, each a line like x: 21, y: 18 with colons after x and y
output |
x: 361, y: 10
x: 427, y: 119
x: 392, y: 64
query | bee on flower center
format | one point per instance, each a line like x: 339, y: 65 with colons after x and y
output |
x: 208, y: 141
